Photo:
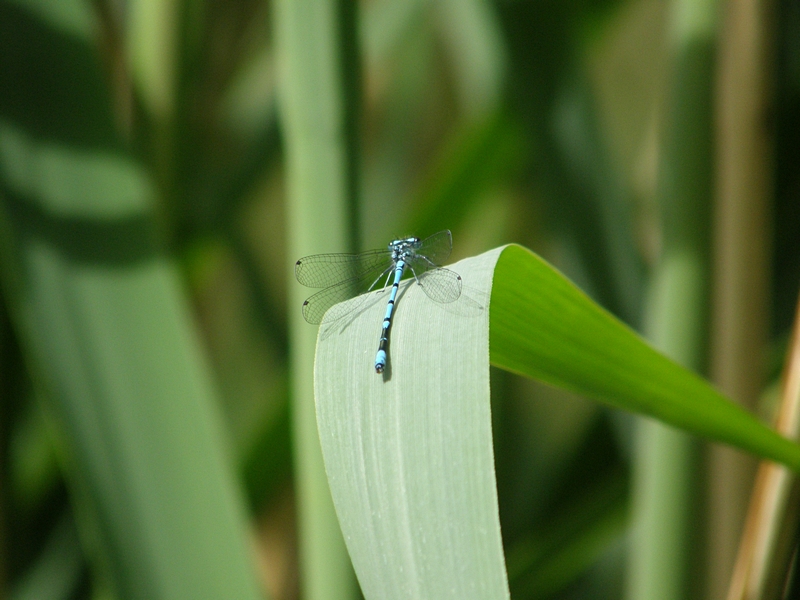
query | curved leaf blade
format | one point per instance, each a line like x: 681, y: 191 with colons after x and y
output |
x: 544, y: 327
x: 409, y: 456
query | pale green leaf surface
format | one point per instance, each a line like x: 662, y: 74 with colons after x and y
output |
x: 409, y: 456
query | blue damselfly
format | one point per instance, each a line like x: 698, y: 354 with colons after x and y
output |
x: 345, y: 276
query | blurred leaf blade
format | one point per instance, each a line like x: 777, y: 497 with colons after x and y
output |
x: 77, y: 109
x: 105, y: 328
x: 129, y: 391
x: 480, y: 153
x: 576, y: 538
x: 58, y: 570
x: 473, y: 33
x: 313, y: 107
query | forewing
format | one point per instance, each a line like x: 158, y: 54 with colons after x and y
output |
x: 441, y: 285
x: 323, y: 270
x: 436, y: 249
x: 316, y: 306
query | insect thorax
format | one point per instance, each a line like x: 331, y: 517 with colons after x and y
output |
x: 404, y: 249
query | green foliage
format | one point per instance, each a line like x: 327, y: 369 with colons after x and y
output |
x: 408, y: 455
x: 163, y: 163
x: 102, y: 320
x: 549, y: 330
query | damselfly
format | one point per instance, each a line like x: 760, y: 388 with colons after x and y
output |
x: 345, y: 276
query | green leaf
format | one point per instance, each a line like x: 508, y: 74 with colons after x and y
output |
x: 409, y: 453
x: 58, y: 569
x: 320, y: 217
x: 575, y: 537
x: 544, y: 327
x: 104, y: 324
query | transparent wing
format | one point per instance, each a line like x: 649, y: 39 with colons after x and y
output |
x: 433, y: 251
x: 323, y: 270
x: 316, y: 306
x: 441, y: 285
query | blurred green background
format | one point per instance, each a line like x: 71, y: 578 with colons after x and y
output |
x: 146, y: 263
